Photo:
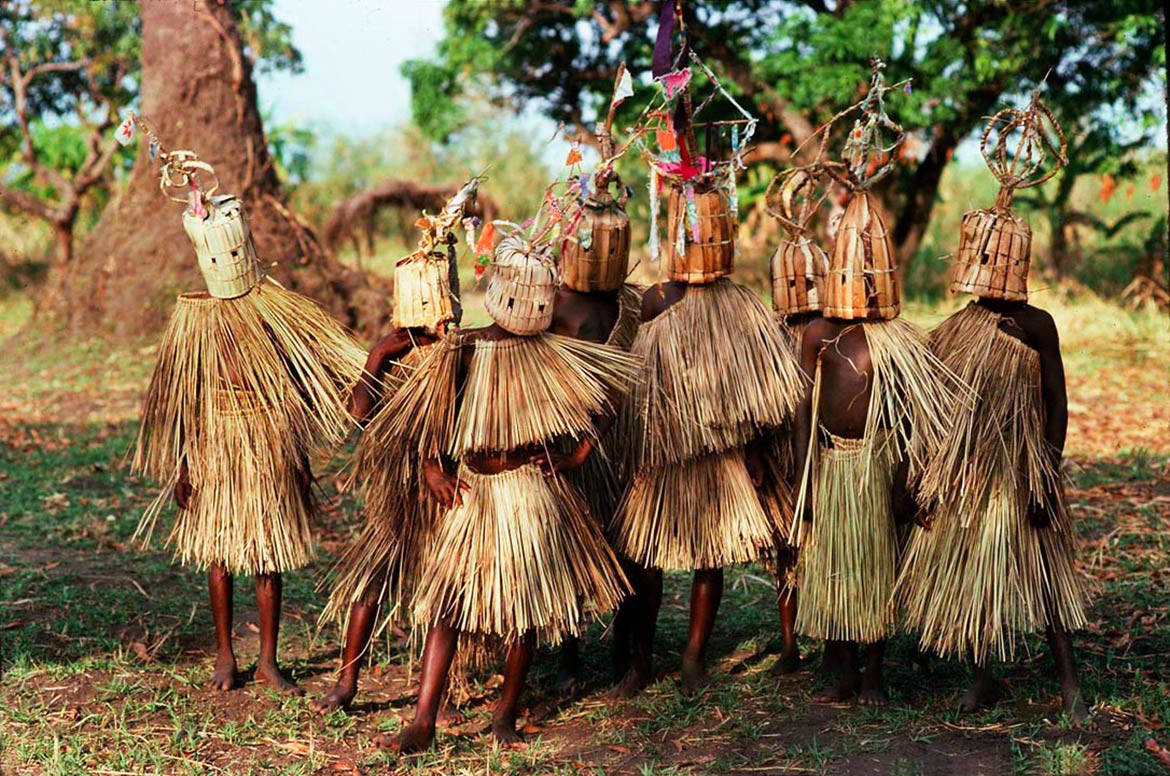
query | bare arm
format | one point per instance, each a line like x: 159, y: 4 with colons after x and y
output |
x: 1053, y: 392
x: 385, y: 352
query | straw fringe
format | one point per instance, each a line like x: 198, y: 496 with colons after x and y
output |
x: 848, y: 559
x: 521, y: 553
x: 629, y: 317
x: 983, y: 573
x: 240, y: 391
x: 716, y: 372
x: 529, y: 390
x: 700, y: 514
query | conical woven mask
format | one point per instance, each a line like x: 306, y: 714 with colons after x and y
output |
x: 599, y: 258
x: 522, y: 287
x: 701, y: 222
x: 799, y: 267
x: 223, y: 247
x: 423, y: 296
x: 863, y: 281
x: 995, y: 249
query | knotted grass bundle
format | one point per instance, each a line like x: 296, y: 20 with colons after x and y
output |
x: 984, y: 573
x: 520, y: 553
x: 241, y: 391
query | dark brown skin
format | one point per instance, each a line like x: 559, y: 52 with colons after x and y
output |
x: 220, y: 583
x: 363, y: 614
x: 706, y: 585
x: 444, y: 484
x: 1036, y: 329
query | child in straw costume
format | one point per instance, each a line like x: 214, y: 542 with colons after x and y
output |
x: 377, y: 572
x: 516, y: 556
x: 998, y: 559
x: 249, y: 376
x: 798, y: 266
x: 716, y: 375
x: 877, y: 410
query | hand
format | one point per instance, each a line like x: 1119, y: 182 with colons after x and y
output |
x: 361, y: 401
x: 183, y: 493
x: 447, y: 489
x: 553, y: 462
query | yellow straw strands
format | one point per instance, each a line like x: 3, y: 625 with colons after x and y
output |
x: 716, y: 372
x: 698, y: 514
x: 848, y: 555
x: 984, y: 573
x: 241, y: 390
x: 629, y: 317
x: 530, y: 390
x: 520, y: 553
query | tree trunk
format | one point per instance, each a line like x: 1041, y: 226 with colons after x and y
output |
x: 914, y: 215
x: 198, y: 92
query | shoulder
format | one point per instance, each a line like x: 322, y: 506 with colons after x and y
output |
x: 1039, y: 325
x: 653, y: 302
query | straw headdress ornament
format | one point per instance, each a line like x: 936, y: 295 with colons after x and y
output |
x: 799, y: 264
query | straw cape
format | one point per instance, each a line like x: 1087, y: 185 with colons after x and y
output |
x: 848, y: 556
x: 528, y: 555
x: 715, y: 375
x: 241, y: 391
x: 983, y: 573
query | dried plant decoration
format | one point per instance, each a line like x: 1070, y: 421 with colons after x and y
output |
x: 799, y: 265
x: 995, y: 245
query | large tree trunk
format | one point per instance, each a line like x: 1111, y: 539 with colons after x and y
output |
x: 198, y: 92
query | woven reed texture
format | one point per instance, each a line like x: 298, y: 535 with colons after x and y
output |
x: 521, y: 553
x: 799, y: 267
x: 380, y: 565
x: 712, y: 255
x: 531, y: 390
x: 995, y: 249
x: 422, y: 292
x: 848, y: 555
x: 983, y: 573
x: 698, y: 514
x: 241, y: 391
x: 223, y: 248
x: 602, y: 266
x: 522, y: 287
x: 862, y: 281
x: 715, y: 372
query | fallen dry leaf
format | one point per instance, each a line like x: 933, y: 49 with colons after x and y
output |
x: 1158, y: 751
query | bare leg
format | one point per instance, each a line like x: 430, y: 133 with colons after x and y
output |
x: 873, y: 686
x: 706, y: 592
x: 436, y: 663
x: 362, y: 617
x: 623, y: 623
x: 983, y: 692
x: 848, y: 677
x: 832, y: 658
x: 1066, y: 668
x: 269, y: 588
x: 219, y: 585
x: 570, y: 664
x: 643, y: 613
x: 515, y: 672
x: 786, y: 603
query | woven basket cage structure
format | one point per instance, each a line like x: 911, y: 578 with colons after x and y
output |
x: 712, y: 255
x: 523, y: 286
x: 422, y: 292
x: 995, y: 249
x: 223, y: 247
x: 863, y: 281
x: 799, y: 267
x: 604, y: 264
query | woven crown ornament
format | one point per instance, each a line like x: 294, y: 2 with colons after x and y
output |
x: 995, y: 245
x: 863, y: 281
x: 426, y: 283
x: 597, y: 258
x: 799, y: 264
x: 523, y: 285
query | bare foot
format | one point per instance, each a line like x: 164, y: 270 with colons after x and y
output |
x: 983, y: 693
x: 789, y: 663
x: 504, y: 731
x: 338, y: 698
x: 873, y: 696
x: 272, y: 676
x: 693, y: 675
x: 415, y: 737
x: 226, y: 676
x: 841, y: 690
x: 630, y: 685
x: 449, y: 716
x: 1074, y: 706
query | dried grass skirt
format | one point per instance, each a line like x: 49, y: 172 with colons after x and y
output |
x: 848, y: 556
x: 521, y: 553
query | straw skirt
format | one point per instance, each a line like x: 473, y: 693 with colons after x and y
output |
x: 520, y: 554
x: 848, y: 556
